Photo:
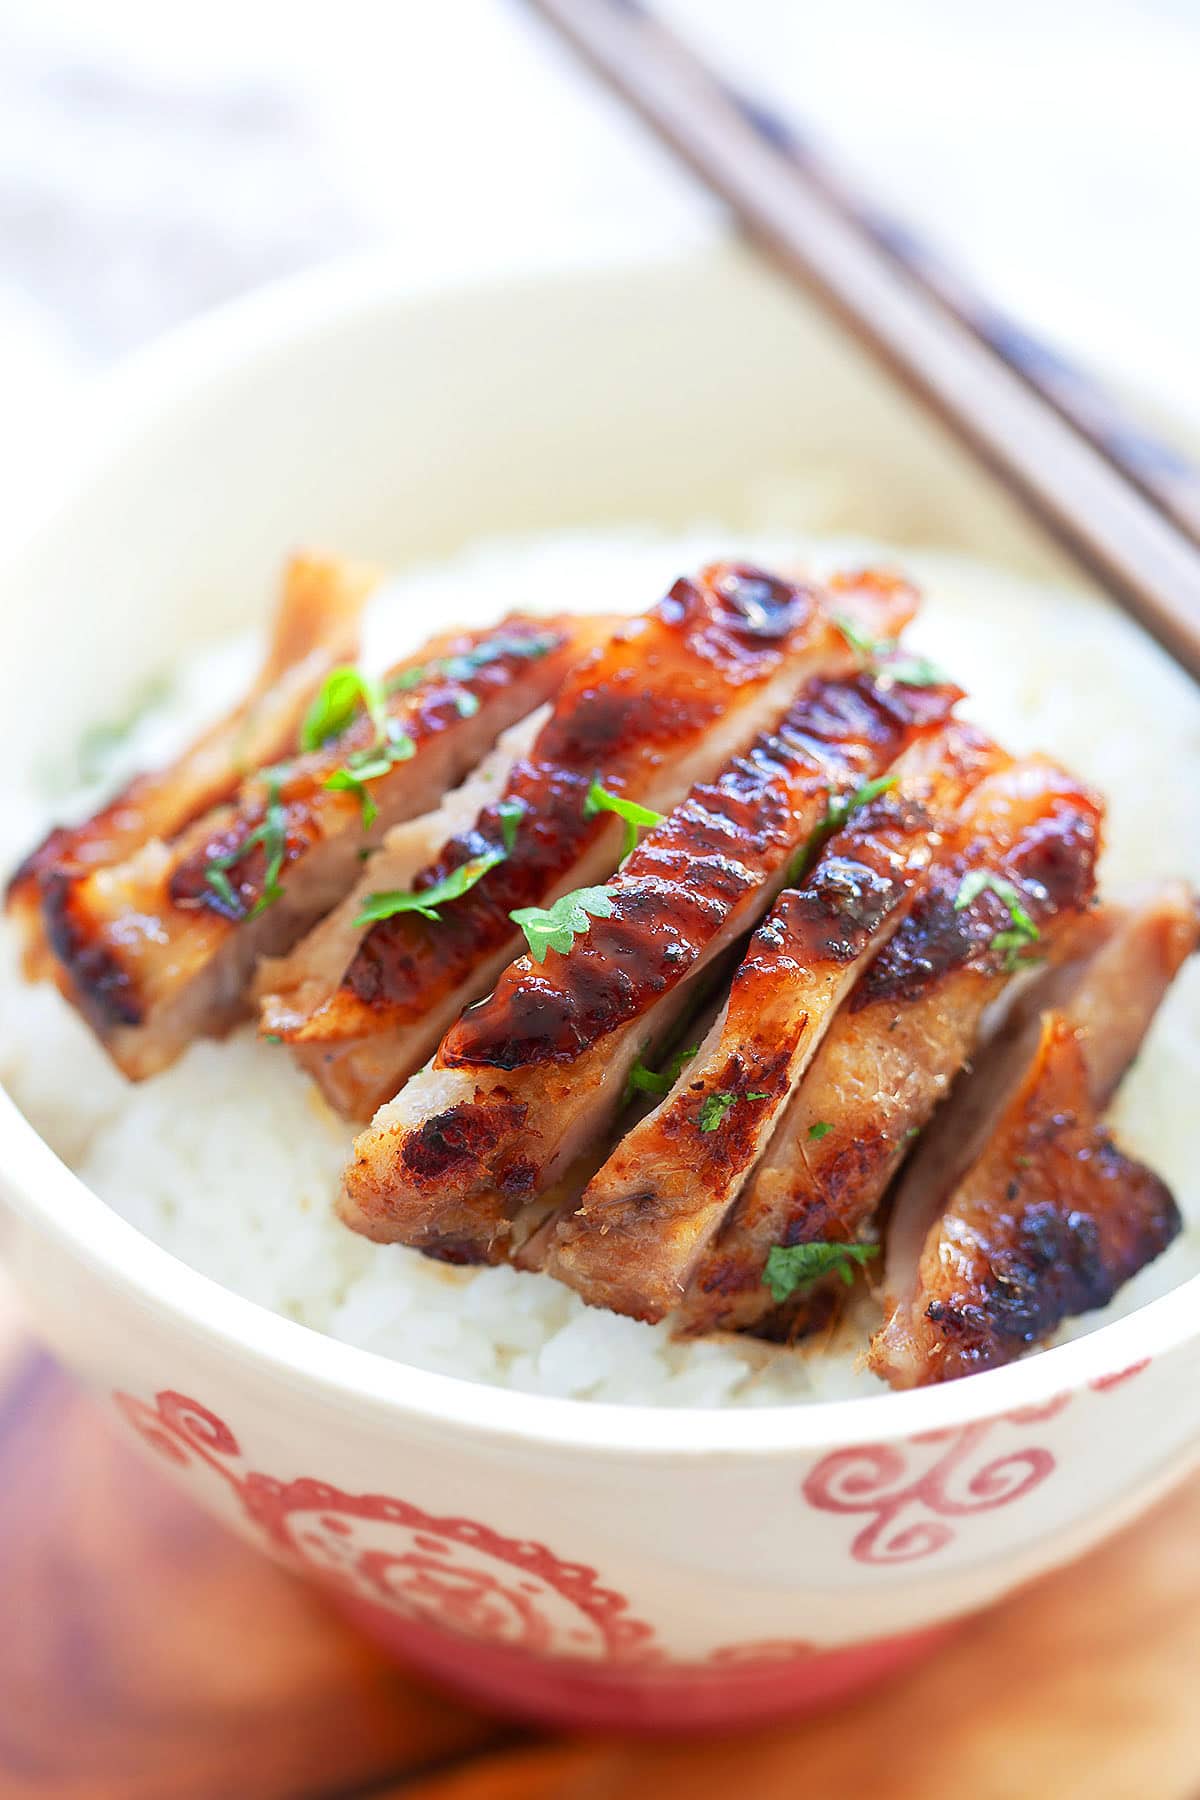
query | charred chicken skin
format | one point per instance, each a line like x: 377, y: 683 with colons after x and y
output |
x: 905, y: 1031
x: 645, y: 1218
x: 526, y: 1080
x: 1029, y: 1213
x: 693, y: 959
x: 659, y: 707
x: 316, y: 626
x: 160, y: 946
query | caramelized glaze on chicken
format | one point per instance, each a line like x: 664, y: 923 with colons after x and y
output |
x: 906, y: 1030
x: 527, y: 1079
x: 316, y: 626
x: 1020, y: 1210
x: 160, y: 947
x: 679, y: 958
x: 645, y: 1218
x: 661, y: 706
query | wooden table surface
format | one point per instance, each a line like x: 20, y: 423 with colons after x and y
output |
x: 148, y: 1655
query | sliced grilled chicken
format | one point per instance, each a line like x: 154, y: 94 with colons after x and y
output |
x: 905, y: 1031
x: 288, y: 987
x: 647, y: 1216
x: 161, y: 948
x: 316, y: 626
x: 660, y: 707
x: 1019, y: 1210
x: 525, y: 1080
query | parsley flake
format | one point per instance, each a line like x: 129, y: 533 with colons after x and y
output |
x: 914, y: 671
x: 792, y: 1266
x: 600, y: 800
x: 271, y: 833
x: 821, y: 1129
x: 556, y: 927
x: 341, y: 694
x: 510, y: 813
x: 1016, y: 939
x: 859, y: 640
x: 392, y: 745
x: 426, y: 901
x: 642, y: 1080
x: 838, y: 809
x: 910, y: 671
x: 461, y: 668
x: 712, y: 1113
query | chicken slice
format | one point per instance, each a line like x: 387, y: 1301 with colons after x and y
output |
x: 646, y: 1218
x: 660, y: 707
x: 1019, y: 1210
x: 537, y: 1071
x: 288, y: 987
x: 316, y: 626
x: 161, y: 948
x: 905, y: 1031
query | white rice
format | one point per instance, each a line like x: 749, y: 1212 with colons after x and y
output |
x: 241, y: 1188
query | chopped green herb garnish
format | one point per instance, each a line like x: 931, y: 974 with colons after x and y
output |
x: 342, y: 781
x: 913, y: 671
x: 272, y: 1037
x: 510, y: 813
x: 271, y: 833
x: 715, y: 1107
x: 860, y: 641
x: 712, y: 1113
x: 837, y: 811
x: 792, y: 1266
x: 821, y: 1129
x: 461, y: 668
x: 221, y: 885
x: 556, y: 927
x: 427, y: 900
x: 600, y: 800
x: 342, y: 693
x: 650, y: 1081
x: 392, y: 745
x: 1013, y: 942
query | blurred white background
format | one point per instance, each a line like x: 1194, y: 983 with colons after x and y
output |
x: 157, y: 158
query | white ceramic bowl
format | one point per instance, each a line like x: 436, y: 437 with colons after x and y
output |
x: 567, y: 1559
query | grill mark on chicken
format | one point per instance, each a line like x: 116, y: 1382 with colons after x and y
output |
x: 682, y: 882
x: 1051, y: 1222
x: 1018, y: 1209
x: 156, y: 956
x: 701, y: 909
x: 670, y: 699
x: 903, y: 1035
x: 290, y: 987
x: 315, y: 626
x: 503, y: 688
x: 573, y: 1102
x: 646, y: 1218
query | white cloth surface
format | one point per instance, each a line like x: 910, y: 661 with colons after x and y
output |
x: 157, y: 158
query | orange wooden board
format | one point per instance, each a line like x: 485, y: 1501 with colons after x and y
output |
x: 148, y: 1654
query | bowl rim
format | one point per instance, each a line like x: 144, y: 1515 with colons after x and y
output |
x: 119, y: 407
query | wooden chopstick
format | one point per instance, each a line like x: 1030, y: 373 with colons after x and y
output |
x: 1131, y: 528
x: 1158, y: 469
